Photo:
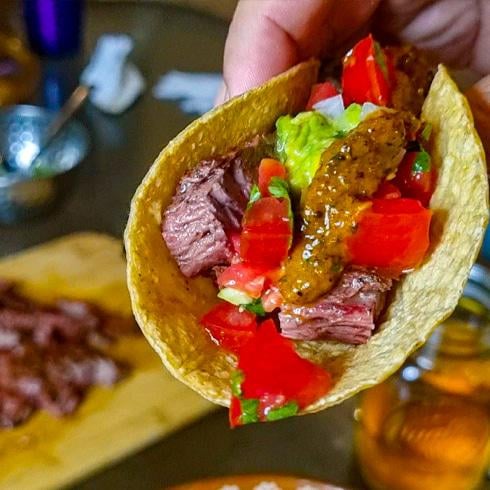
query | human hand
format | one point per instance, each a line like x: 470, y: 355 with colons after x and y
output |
x: 267, y: 37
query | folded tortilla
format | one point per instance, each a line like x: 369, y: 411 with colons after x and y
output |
x: 168, y: 306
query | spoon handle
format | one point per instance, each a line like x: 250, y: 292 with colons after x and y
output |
x: 70, y: 107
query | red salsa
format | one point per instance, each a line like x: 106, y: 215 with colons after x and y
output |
x: 272, y: 381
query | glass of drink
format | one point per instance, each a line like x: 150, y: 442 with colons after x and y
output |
x: 428, y: 426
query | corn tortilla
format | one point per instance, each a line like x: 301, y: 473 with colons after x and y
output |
x: 168, y: 306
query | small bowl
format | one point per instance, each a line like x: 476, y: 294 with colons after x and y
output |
x: 27, y: 195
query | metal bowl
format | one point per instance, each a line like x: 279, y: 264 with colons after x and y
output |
x: 24, y: 196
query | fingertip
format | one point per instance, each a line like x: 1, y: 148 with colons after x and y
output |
x: 256, y: 48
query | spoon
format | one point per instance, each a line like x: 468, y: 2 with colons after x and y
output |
x: 68, y: 110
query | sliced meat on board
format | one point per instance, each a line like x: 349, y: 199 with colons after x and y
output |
x: 50, y: 356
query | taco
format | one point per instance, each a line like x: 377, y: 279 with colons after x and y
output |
x: 338, y: 221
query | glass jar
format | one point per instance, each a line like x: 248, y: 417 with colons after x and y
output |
x: 428, y: 425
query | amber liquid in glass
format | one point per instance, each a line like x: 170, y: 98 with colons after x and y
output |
x: 428, y: 426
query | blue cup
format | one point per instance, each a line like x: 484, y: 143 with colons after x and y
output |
x: 54, y: 26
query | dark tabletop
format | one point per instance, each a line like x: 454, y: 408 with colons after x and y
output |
x: 123, y: 147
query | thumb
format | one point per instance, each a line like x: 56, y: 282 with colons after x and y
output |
x: 258, y: 46
x: 479, y: 99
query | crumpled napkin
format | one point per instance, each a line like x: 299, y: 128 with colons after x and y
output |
x: 195, y: 92
x: 115, y: 82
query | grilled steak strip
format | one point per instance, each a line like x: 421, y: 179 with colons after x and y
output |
x: 346, y: 314
x: 209, y: 205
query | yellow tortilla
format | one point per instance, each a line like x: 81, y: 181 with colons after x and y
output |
x: 167, y: 306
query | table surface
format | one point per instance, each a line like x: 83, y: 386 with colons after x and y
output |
x: 316, y: 446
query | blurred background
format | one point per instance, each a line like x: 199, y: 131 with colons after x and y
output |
x: 427, y: 427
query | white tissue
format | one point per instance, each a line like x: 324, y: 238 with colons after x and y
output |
x: 195, y: 92
x: 115, y: 82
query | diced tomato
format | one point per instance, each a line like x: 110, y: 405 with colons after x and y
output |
x: 321, y: 91
x: 234, y: 238
x: 378, y: 76
x: 271, y: 299
x: 229, y: 327
x: 264, y: 248
x: 247, y: 278
x: 416, y: 177
x: 268, y: 213
x: 235, y: 412
x: 268, y: 169
x: 391, y: 234
x: 272, y: 369
x: 387, y: 190
x: 267, y: 233
x: 365, y: 76
x: 396, y: 206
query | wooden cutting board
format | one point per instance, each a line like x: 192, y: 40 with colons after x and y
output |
x: 112, y: 422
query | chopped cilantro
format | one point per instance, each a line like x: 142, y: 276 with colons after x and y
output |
x: 236, y: 382
x: 254, y: 195
x: 255, y: 307
x: 421, y: 162
x: 283, y: 412
x: 379, y: 56
x: 426, y: 132
x: 279, y: 188
x: 250, y: 409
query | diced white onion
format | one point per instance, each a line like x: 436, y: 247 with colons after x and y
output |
x: 368, y: 108
x: 332, y: 107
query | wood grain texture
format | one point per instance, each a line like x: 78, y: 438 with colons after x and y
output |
x: 112, y: 422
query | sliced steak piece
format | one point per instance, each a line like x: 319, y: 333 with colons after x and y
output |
x: 44, y: 325
x: 209, y: 203
x: 346, y: 314
x: 54, y: 379
x: 14, y: 409
x: 21, y: 371
x: 55, y: 325
x: 81, y: 367
x: 80, y: 310
x: 10, y: 299
x: 5, y: 286
x: 8, y: 338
